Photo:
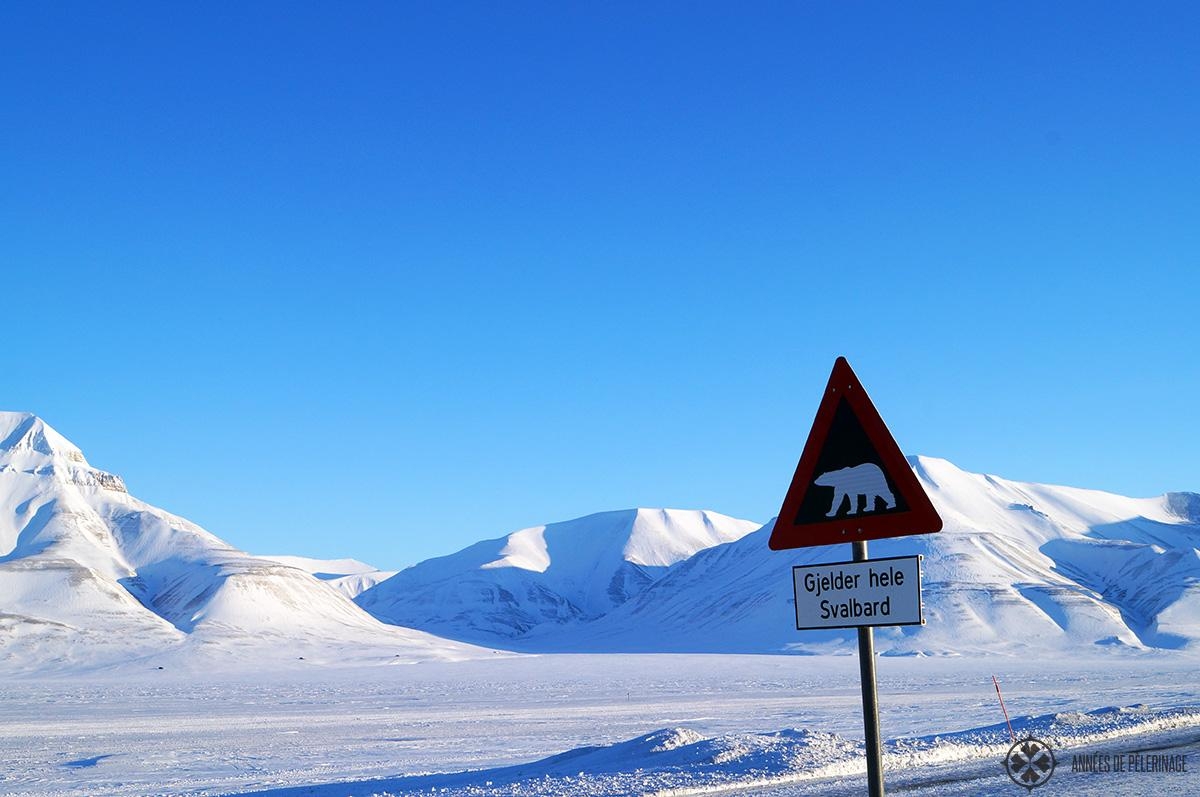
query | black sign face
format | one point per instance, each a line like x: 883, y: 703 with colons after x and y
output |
x: 852, y: 482
x: 850, y: 477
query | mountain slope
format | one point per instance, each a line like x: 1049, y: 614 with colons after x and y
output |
x: 349, y: 576
x: 556, y: 575
x: 90, y: 576
x: 1018, y: 567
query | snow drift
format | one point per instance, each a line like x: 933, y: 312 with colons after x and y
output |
x: 682, y: 761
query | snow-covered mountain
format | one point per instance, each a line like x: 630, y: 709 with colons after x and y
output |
x: 350, y: 576
x: 547, y: 577
x: 1018, y: 568
x: 91, y: 576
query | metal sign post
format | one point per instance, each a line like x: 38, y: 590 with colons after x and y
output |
x: 870, y: 695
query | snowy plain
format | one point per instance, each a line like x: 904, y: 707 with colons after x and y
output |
x: 633, y: 724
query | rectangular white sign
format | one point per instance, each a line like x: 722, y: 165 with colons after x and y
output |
x: 854, y: 594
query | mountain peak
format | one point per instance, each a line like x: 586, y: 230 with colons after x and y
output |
x: 24, y: 431
x: 29, y: 444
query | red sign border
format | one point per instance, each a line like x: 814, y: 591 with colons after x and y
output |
x: 921, y: 517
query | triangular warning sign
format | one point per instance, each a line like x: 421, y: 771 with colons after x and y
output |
x: 852, y: 483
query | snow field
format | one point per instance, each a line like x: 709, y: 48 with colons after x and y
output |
x: 566, y: 725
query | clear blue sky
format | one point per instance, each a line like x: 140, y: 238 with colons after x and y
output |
x: 382, y: 279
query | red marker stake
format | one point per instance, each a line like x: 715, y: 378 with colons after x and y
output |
x: 1011, y: 735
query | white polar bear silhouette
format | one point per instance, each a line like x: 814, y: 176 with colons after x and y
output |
x: 866, y: 479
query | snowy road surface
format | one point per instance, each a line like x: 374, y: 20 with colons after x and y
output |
x: 690, y: 724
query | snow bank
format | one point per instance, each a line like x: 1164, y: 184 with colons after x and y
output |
x: 680, y: 761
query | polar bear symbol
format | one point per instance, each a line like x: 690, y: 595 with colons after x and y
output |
x: 866, y: 479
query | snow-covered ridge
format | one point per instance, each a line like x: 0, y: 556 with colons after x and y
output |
x: 1019, y: 567
x: 89, y: 575
x: 92, y: 577
x: 538, y: 579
